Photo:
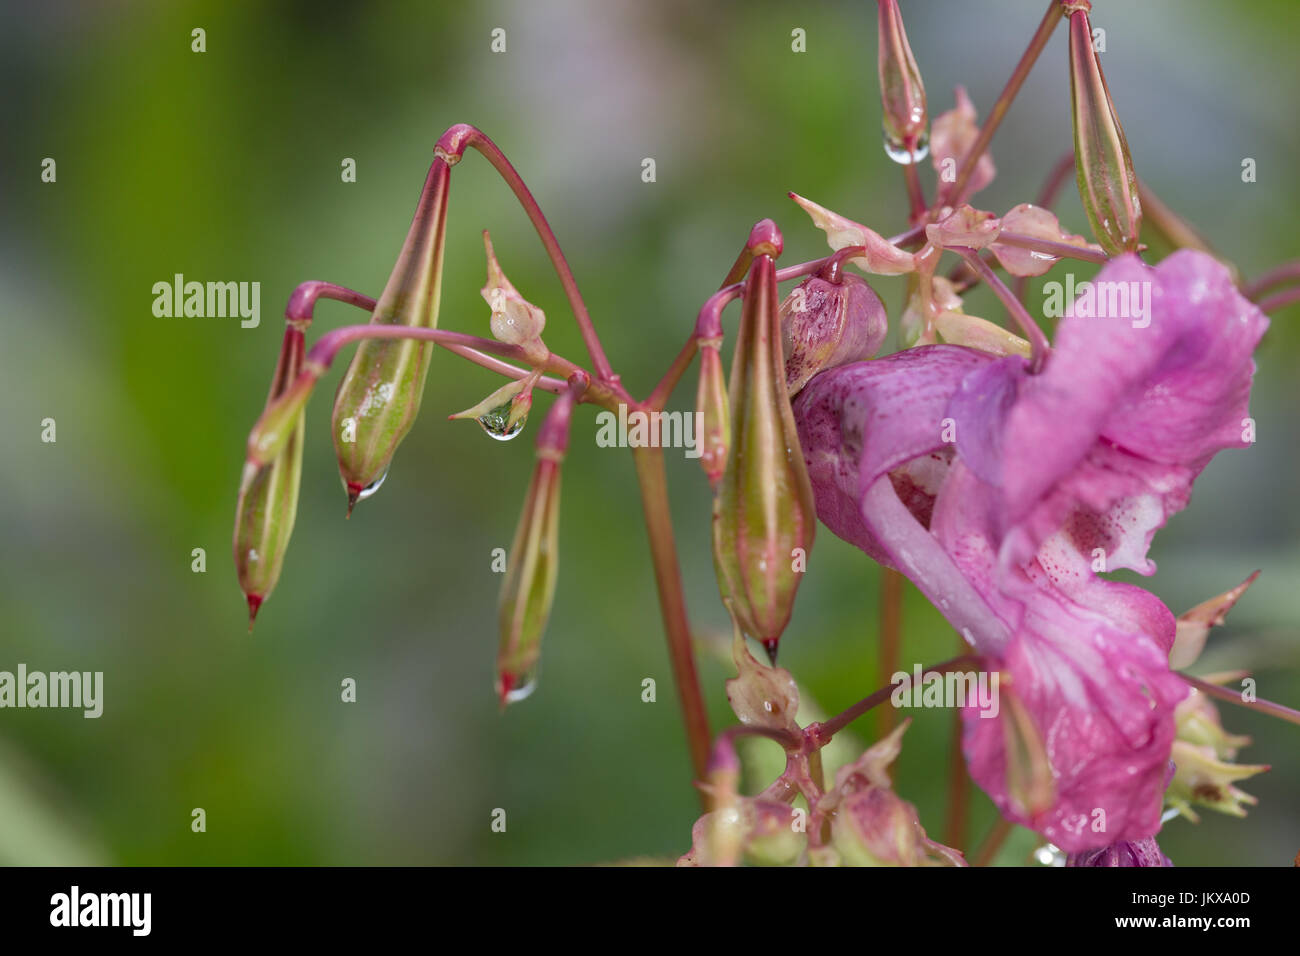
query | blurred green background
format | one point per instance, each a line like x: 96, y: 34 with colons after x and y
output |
x: 225, y: 166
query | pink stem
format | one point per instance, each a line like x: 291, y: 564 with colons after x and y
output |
x: 1233, y: 697
x: 302, y: 304
x: 824, y: 731
x: 1037, y: 340
x: 452, y: 145
x: 1061, y: 250
x: 952, y: 195
x: 1281, y: 275
x: 1275, y: 302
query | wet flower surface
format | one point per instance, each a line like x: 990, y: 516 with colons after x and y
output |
x: 1002, y: 494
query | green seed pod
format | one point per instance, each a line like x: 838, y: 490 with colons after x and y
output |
x: 268, y: 494
x: 380, y: 394
x: 763, y: 513
x: 902, y: 94
x: 529, y: 586
x: 711, y: 403
x: 1104, y: 169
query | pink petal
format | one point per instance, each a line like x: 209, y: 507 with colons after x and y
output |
x: 951, y: 135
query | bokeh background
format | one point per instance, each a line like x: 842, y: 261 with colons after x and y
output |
x: 225, y: 166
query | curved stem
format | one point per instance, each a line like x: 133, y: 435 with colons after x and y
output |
x: 1279, y: 275
x: 827, y: 729
x: 1233, y: 697
x: 952, y: 195
x: 322, y: 355
x: 302, y: 305
x: 1061, y: 250
x: 1169, y: 226
x: 708, y: 324
x: 1057, y: 177
x: 302, y: 302
x: 1037, y: 340
x: 452, y: 145
x: 672, y: 602
x: 1275, y: 302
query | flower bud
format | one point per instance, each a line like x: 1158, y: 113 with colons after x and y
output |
x: 268, y: 494
x: 954, y: 133
x: 711, y: 403
x: 902, y: 94
x: 1204, y: 774
x: 825, y: 324
x: 379, y: 396
x: 872, y: 825
x: 777, y: 836
x: 763, y: 515
x: 1107, y: 184
x: 1194, y: 625
x: 761, y: 696
x: 1124, y: 853
x: 515, y: 320
x: 529, y: 586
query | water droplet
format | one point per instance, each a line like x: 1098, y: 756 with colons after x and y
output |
x: 1049, y: 855
x: 899, y: 153
x: 496, y: 423
x: 522, y: 688
x: 371, y: 488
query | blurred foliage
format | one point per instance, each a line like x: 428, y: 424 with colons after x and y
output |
x: 225, y: 166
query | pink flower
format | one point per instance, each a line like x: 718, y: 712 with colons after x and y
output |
x: 1001, y: 494
x: 1124, y: 853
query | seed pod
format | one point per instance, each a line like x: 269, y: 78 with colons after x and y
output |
x: 711, y: 403
x: 902, y: 94
x: 529, y: 585
x: 380, y: 394
x: 825, y: 324
x: 1107, y: 184
x: 873, y: 826
x: 763, y: 515
x: 268, y: 494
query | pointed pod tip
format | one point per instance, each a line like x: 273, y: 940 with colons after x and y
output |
x: 254, y: 604
x: 770, y: 646
x: 505, y: 684
x: 354, y: 495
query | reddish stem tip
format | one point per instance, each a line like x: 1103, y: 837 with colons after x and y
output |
x: 254, y: 604
x: 505, y: 684
x: 770, y: 646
